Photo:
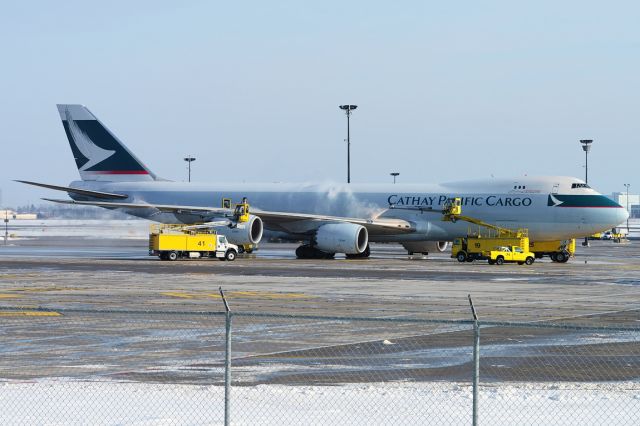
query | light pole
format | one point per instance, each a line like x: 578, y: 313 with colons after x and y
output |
x: 347, y: 109
x: 395, y: 175
x: 627, y: 185
x: 586, y: 147
x: 6, y: 227
x: 189, y: 159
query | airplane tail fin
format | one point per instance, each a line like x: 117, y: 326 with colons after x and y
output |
x: 99, y: 154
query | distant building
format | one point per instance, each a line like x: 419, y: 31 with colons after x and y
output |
x: 10, y: 214
x: 634, y: 202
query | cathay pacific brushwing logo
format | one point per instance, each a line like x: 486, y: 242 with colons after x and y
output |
x: 553, y: 201
x: 87, y: 148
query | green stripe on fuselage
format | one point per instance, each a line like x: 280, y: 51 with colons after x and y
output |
x: 581, y: 201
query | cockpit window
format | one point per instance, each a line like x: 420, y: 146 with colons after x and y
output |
x: 579, y: 185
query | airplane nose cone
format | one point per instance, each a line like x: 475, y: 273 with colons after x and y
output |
x: 623, y: 214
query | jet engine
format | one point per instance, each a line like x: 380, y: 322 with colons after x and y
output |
x: 425, y: 247
x: 249, y: 232
x: 345, y: 238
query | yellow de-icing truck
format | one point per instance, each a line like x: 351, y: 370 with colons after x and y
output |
x: 478, y: 245
x: 171, y: 242
x: 558, y: 251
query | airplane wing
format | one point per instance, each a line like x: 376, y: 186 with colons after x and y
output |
x: 379, y: 226
x: 290, y: 222
x: 169, y: 208
x: 96, y: 194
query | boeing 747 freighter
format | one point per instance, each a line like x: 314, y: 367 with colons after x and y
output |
x: 330, y: 218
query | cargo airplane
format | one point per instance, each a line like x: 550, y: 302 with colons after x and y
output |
x: 330, y: 218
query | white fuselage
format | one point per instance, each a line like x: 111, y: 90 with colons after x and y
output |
x: 551, y: 208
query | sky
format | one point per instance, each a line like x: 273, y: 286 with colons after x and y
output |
x: 445, y: 90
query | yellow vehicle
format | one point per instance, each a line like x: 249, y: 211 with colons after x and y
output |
x: 476, y: 246
x: 479, y: 246
x: 171, y: 242
x: 558, y: 251
x: 517, y: 254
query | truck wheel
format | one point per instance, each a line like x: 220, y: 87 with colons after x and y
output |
x: 499, y: 260
x: 163, y: 256
x: 461, y: 257
x: 553, y: 257
x: 561, y: 257
x: 172, y: 255
x: 230, y: 255
x: 529, y: 260
x: 491, y: 262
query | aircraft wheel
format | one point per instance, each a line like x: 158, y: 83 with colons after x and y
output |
x: 307, y: 252
x: 499, y: 260
x: 364, y: 255
x: 529, y: 261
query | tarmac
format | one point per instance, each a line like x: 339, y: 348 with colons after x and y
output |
x: 44, y: 276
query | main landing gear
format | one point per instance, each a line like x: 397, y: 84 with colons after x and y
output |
x: 364, y: 255
x: 306, y: 251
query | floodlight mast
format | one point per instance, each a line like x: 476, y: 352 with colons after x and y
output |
x: 586, y: 147
x: 348, y: 109
x: 189, y: 159
x: 627, y: 185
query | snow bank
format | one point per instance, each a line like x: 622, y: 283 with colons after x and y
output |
x: 51, y: 402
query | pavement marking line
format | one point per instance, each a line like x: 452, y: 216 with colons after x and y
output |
x: 178, y: 294
x: 8, y: 296
x: 42, y: 289
x: 246, y: 294
x: 261, y: 295
x: 29, y: 314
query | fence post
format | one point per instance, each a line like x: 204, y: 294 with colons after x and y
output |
x: 476, y: 361
x: 227, y: 362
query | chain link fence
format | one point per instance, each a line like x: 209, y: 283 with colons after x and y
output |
x: 76, y: 366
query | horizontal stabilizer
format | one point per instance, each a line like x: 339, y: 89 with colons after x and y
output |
x: 86, y: 192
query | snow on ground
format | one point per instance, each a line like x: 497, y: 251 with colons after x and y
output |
x: 51, y: 402
x: 85, y: 228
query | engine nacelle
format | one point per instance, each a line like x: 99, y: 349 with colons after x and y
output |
x: 345, y: 238
x: 425, y: 247
x: 249, y: 232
